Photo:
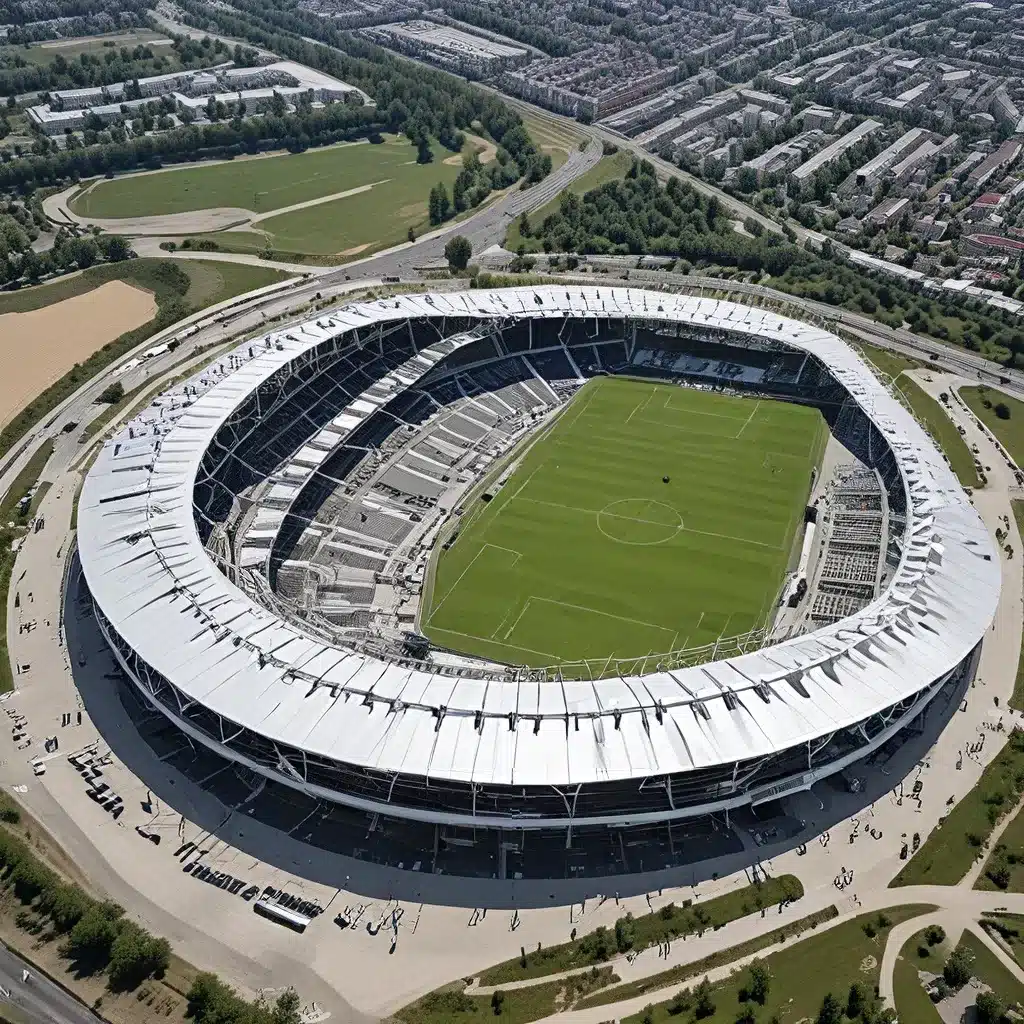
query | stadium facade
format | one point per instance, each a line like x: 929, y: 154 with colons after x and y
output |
x: 207, y: 641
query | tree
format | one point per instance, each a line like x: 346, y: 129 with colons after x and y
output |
x: 746, y: 1015
x: 112, y: 393
x: 704, y: 1004
x: 457, y: 252
x: 287, y: 1009
x: 989, y: 1009
x: 957, y: 970
x: 855, y: 1001
x: 624, y: 933
x: 439, y: 205
x: 831, y: 1012
x: 115, y: 248
x: 1002, y: 410
x: 136, y: 955
x: 90, y: 941
x: 760, y: 981
x: 424, y: 154
x: 411, y: 234
x: 497, y: 1001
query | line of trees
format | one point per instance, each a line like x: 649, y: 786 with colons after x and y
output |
x: 639, y: 216
x: 95, y: 935
x: 112, y: 64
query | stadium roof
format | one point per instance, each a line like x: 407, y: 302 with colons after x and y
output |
x: 156, y: 584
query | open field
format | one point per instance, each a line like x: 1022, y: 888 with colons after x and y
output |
x: 913, y: 1003
x: 556, y: 138
x: 608, y: 168
x: 46, y: 52
x: 950, y: 850
x: 803, y: 974
x: 942, y: 429
x: 258, y: 183
x: 1009, y: 431
x: 586, y: 553
x: 39, y: 347
x: 173, y: 289
x: 392, y: 201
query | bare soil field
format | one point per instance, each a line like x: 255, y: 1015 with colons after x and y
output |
x: 39, y: 347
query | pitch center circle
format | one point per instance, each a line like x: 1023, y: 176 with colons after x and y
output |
x: 639, y: 521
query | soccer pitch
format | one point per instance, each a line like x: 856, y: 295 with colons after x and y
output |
x: 585, y: 552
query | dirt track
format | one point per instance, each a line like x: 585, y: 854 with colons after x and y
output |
x: 39, y: 347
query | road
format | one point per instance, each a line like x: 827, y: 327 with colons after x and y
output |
x: 39, y: 998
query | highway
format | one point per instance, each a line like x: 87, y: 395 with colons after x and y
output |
x: 38, y: 998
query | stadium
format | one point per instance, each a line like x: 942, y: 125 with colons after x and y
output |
x: 527, y: 576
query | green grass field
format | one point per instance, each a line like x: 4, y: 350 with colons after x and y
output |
x: 950, y: 850
x: 1009, y: 431
x: 932, y: 417
x: 266, y: 183
x: 586, y: 553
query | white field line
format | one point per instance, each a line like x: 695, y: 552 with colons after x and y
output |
x: 686, y: 529
x: 595, y: 611
x: 451, y: 589
x: 753, y: 413
x: 497, y: 643
x: 508, y: 632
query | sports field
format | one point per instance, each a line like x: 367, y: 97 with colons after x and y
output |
x: 585, y: 552
x: 265, y: 183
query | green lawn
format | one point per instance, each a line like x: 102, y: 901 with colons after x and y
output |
x: 209, y: 282
x: 670, y: 922
x: 40, y: 54
x: 803, y: 974
x: 698, y: 968
x: 259, y: 184
x: 1008, y: 856
x: 948, y: 853
x: 943, y: 431
x: 913, y: 1004
x: 24, y: 482
x: 1011, y: 928
x: 356, y: 225
x: 556, y: 138
x: 1009, y: 431
x: 608, y: 168
x: 988, y: 969
x: 890, y: 363
x: 520, y: 1006
x: 582, y: 552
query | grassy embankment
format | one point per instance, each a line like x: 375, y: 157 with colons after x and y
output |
x: 950, y: 850
x: 801, y: 976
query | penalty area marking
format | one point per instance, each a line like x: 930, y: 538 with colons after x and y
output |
x: 591, y: 611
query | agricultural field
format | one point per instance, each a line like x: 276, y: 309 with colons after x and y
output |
x: 646, y: 519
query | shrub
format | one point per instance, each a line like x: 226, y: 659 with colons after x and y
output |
x: 1002, y: 410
